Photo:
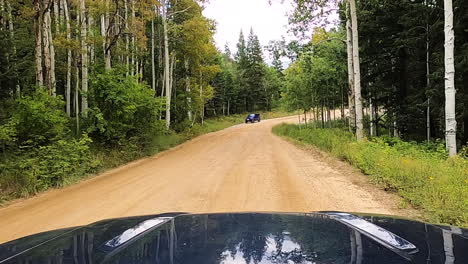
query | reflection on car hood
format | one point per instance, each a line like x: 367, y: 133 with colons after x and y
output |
x: 238, y: 238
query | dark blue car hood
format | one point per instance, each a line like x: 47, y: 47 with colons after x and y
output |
x: 237, y: 238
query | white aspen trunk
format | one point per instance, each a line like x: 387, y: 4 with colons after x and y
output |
x: 134, y: 69
x: 53, y: 84
x: 357, y: 71
x: 84, y: 59
x: 2, y: 10
x: 141, y: 69
x: 171, y: 72
x: 77, y: 105
x: 61, y: 13
x: 349, y: 46
x: 202, y: 114
x: 428, y: 83
x: 153, y: 66
x: 103, y: 36
x: 187, y: 89
x: 46, y: 46
x: 104, y: 29
x: 127, y: 41
x: 450, y: 114
x: 372, y: 118
x: 166, y: 69
x: 56, y: 16
x: 396, y: 133
x: 12, y: 39
x: 91, y: 32
x: 69, y: 59
x: 38, y: 48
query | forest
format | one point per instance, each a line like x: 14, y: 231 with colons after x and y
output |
x: 91, y: 84
x: 401, y: 66
x: 387, y: 92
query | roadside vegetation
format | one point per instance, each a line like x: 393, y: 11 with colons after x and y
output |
x: 379, y: 92
x: 420, y: 173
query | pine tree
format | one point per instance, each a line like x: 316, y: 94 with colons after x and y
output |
x: 255, y: 73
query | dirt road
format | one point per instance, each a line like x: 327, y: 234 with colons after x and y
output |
x: 242, y: 168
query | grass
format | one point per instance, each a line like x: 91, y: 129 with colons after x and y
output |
x: 420, y: 173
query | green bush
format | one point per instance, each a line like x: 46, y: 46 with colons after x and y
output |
x: 421, y: 173
x: 48, y: 166
x: 122, y: 110
x: 36, y: 120
x: 39, y: 151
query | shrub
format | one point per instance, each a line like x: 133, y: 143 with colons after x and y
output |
x: 41, y: 152
x: 48, y: 166
x: 36, y: 120
x: 421, y: 173
x: 123, y: 110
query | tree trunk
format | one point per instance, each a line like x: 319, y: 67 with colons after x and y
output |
x: 38, y: 49
x: 90, y: 30
x: 465, y: 108
x: 153, y: 66
x: 396, y: 133
x: 134, y: 69
x: 428, y: 84
x: 172, y: 63
x: 77, y: 105
x: 202, y: 101
x: 187, y: 89
x: 46, y: 45
x: 450, y: 114
x: 2, y: 9
x: 342, y: 103
x: 104, y: 39
x: 323, y: 118
x: 69, y: 59
x: 349, y: 46
x: 56, y: 15
x: 53, y: 84
x: 127, y: 42
x: 84, y: 59
x: 357, y: 72
x: 372, y: 118
x: 166, y: 69
x: 13, y: 44
x: 104, y: 33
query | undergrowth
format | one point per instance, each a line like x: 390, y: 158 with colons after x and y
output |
x: 420, y: 173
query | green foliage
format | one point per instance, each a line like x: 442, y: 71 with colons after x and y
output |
x: 318, y: 77
x: 246, y: 83
x: 36, y: 120
x: 39, y: 151
x: 419, y: 173
x: 122, y: 109
x: 53, y: 165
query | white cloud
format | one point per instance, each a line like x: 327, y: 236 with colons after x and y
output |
x: 269, y: 22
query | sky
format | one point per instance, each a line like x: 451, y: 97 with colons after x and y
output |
x: 269, y: 22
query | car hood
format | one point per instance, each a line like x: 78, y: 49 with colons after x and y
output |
x: 326, y: 237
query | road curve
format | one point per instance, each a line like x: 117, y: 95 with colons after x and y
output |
x: 242, y: 168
